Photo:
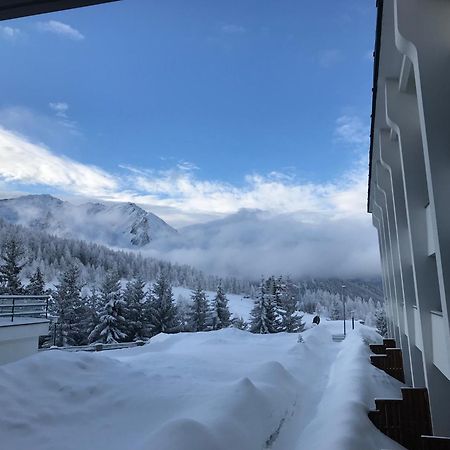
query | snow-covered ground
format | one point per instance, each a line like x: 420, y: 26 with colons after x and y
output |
x: 240, y: 305
x: 219, y: 390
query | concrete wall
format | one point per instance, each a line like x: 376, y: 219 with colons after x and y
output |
x: 409, y: 195
x: 18, y: 340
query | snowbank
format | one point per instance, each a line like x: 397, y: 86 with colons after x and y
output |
x: 198, y: 391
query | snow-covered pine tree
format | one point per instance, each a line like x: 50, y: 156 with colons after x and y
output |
x: 36, y: 286
x: 199, y: 313
x: 12, y: 255
x: 183, y: 309
x: 380, y: 320
x: 111, y: 326
x: 291, y: 319
x: 263, y: 315
x: 335, y: 310
x: 220, y: 311
x: 161, y: 310
x: 134, y: 297
x: 239, y: 323
x: 94, y: 306
x: 70, y: 309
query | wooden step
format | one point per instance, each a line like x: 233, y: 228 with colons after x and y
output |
x: 390, y: 418
x: 374, y: 416
x: 405, y: 420
x: 435, y: 443
x: 379, y: 361
x: 416, y: 416
x: 389, y: 343
x: 378, y: 349
x: 394, y: 364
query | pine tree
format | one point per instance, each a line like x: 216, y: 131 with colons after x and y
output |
x: 94, y: 306
x: 36, y: 286
x: 263, y: 315
x: 112, y: 324
x: 239, y: 323
x: 12, y: 255
x: 220, y: 311
x: 291, y: 319
x: 162, y: 310
x: 70, y: 309
x: 134, y: 297
x: 199, y: 311
x: 380, y: 320
x: 335, y: 310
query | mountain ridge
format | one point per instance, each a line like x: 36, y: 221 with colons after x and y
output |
x: 124, y: 225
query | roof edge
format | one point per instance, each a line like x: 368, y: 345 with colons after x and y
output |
x: 376, y: 64
x: 14, y: 9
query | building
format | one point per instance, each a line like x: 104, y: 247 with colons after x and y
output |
x: 20, y: 331
x: 23, y: 319
x: 12, y: 9
x: 409, y: 188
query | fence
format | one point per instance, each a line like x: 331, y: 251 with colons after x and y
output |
x: 97, y: 347
x: 13, y: 306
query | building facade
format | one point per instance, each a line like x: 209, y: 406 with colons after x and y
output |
x: 409, y: 188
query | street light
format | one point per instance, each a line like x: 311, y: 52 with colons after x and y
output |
x: 343, y: 305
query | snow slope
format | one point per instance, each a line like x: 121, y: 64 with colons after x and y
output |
x: 123, y: 225
x: 220, y: 390
x: 239, y: 305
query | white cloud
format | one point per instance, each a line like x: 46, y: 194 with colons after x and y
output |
x: 10, y: 33
x: 179, y: 192
x: 352, y: 130
x: 329, y: 58
x: 368, y: 56
x: 201, y: 200
x: 253, y: 243
x: 233, y: 29
x: 60, y: 108
x: 61, y: 29
x: 28, y: 163
x: 302, y: 228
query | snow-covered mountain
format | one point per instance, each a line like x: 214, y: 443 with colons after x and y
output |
x: 124, y: 225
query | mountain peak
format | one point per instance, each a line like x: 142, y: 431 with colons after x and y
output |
x: 124, y: 225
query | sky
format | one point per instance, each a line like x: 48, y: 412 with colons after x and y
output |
x: 194, y: 110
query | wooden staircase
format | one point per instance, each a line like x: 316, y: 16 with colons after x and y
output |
x: 388, y: 358
x: 406, y: 420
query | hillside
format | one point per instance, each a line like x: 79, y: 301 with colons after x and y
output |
x: 123, y: 225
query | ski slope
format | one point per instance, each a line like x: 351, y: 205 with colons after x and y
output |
x: 219, y: 390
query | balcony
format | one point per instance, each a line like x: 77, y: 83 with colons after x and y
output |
x: 22, y: 320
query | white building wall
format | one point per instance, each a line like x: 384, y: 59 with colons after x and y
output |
x: 20, y: 339
x: 409, y: 192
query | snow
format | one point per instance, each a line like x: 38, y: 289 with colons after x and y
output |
x: 200, y: 391
x: 122, y: 225
x: 239, y: 305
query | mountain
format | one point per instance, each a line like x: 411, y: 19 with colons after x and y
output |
x: 123, y: 225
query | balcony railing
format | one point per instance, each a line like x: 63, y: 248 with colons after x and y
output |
x: 15, y: 306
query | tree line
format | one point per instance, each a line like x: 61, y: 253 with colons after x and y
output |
x: 53, y: 254
x: 111, y: 314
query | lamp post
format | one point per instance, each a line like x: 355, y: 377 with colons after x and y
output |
x: 343, y: 305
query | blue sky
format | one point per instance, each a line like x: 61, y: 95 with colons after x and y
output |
x: 192, y: 109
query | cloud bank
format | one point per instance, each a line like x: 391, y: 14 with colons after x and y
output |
x: 269, y: 223
x: 254, y: 243
x: 28, y: 163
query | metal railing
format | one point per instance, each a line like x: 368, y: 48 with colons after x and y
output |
x: 97, y: 347
x: 12, y: 306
